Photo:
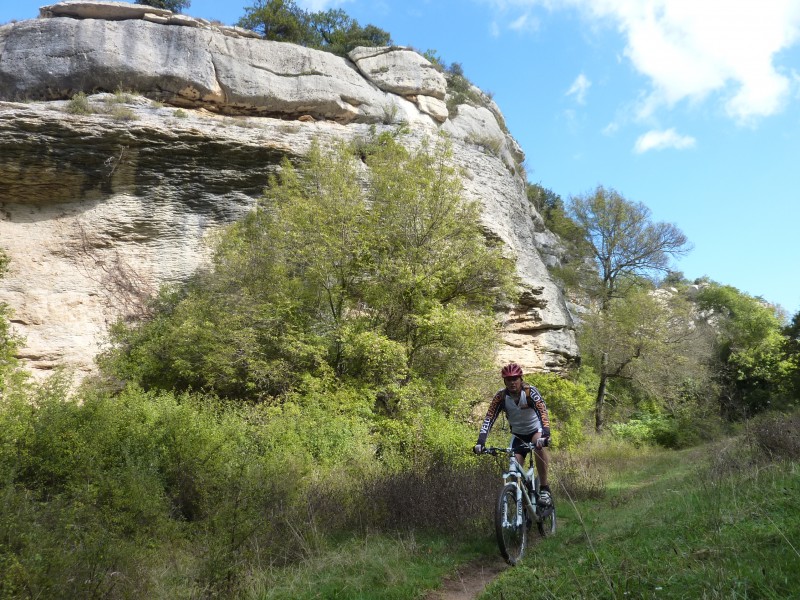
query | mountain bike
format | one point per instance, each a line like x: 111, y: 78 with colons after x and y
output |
x: 518, y: 507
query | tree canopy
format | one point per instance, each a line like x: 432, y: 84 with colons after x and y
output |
x: 652, y: 341
x: 173, y: 5
x: 625, y: 243
x: 792, y: 353
x: 627, y: 250
x: 332, y: 30
x: 754, y: 369
x: 383, y: 284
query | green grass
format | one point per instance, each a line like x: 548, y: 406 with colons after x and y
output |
x: 375, y: 567
x: 703, y: 523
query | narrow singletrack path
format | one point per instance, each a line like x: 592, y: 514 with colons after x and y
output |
x: 469, y: 580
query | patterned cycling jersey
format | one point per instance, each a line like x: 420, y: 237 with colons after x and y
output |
x: 524, y: 417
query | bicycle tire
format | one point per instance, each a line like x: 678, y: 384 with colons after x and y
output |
x: 512, y: 533
x: 547, y: 524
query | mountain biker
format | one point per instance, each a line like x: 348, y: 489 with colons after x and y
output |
x: 527, y: 416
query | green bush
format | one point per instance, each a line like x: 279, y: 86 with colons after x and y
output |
x: 568, y: 403
x: 686, y: 427
x: 128, y: 481
x: 122, y: 113
x: 375, y: 285
x: 79, y: 105
x: 143, y: 494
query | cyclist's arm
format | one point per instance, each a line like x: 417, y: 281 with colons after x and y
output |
x: 537, y: 403
x: 495, y: 407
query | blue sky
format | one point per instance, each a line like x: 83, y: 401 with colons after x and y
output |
x: 691, y: 107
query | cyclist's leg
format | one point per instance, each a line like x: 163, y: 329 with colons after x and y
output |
x: 516, y: 443
x: 542, y: 458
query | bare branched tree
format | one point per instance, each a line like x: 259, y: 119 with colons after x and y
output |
x: 626, y: 244
x: 628, y: 248
x: 126, y: 291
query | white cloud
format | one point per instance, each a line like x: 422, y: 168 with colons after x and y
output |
x: 659, y: 140
x: 579, y: 88
x: 697, y: 49
x: 524, y: 23
x: 690, y: 49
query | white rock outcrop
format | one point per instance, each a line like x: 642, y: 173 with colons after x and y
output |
x: 106, y: 11
x: 99, y: 209
x: 400, y: 71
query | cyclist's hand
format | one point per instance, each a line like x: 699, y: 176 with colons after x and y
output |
x: 542, y: 442
x: 478, y: 449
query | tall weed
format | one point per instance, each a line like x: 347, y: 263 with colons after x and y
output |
x: 777, y: 435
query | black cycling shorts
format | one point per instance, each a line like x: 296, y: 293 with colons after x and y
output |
x: 518, y: 440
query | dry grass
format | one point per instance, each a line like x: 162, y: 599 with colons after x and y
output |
x: 580, y: 477
x: 777, y: 435
x: 439, y: 498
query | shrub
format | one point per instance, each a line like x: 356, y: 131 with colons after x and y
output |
x: 79, y: 105
x: 120, y: 97
x: 777, y: 435
x: 436, y: 496
x: 122, y: 113
x: 126, y: 481
x: 638, y: 432
x: 491, y: 145
x: 681, y: 430
x: 568, y: 404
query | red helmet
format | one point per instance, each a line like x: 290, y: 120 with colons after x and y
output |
x: 511, y: 370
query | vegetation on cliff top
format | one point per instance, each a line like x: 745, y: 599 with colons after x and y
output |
x: 332, y: 30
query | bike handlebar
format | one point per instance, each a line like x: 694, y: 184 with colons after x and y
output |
x: 524, y: 446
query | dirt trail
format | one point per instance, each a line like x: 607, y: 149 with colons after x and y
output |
x: 469, y: 580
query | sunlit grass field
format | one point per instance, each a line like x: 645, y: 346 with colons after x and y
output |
x: 719, y: 521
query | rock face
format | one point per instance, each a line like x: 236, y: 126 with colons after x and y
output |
x: 99, y: 208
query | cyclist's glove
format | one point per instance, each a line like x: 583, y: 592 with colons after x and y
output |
x: 478, y: 449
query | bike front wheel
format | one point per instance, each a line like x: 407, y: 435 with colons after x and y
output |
x: 510, y: 525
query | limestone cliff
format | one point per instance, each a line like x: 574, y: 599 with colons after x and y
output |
x: 98, y: 208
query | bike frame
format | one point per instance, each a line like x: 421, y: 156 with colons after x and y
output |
x: 517, y: 475
x: 517, y: 507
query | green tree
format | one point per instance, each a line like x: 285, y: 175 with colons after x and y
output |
x: 431, y: 260
x: 650, y: 340
x: 332, y: 30
x: 277, y: 20
x: 628, y: 251
x: 173, y: 5
x: 382, y: 284
x: 753, y: 368
x: 625, y: 243
x: 335, y: 31
x: 792, y: 354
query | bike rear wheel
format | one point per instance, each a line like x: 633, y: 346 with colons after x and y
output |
x: 510, y: 526
x: 547, y: 524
